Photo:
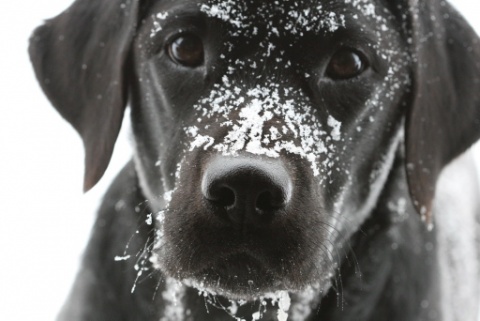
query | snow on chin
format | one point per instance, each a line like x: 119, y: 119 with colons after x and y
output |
x: 279, y: 299
x: 295, y: 305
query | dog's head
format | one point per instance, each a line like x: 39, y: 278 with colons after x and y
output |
x: 264, y: 130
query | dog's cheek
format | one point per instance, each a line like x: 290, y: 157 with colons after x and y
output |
x: 160, y: 105
x: 177, y: 220
x: 367, y: 159
x: 371, y: 140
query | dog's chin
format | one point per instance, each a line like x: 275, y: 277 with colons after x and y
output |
x: 238, y: 277
x: 232, y: 290
x: 237, y: 290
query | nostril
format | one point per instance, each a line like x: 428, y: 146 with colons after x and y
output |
x: 224, y: 196
x: 266, y: 202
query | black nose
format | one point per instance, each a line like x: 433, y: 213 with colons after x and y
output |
x: 250, y: 190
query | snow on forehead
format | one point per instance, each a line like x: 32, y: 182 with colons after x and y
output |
x: 287, y: 17
x: 293, y: 17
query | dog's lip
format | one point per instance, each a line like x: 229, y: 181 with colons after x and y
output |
x: 238, y: 275
x: 236, y: 262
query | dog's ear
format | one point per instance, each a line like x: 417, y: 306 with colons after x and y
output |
x: 444, y: 120
x: 79, y: 58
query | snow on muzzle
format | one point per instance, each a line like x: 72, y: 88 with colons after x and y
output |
x: 265, y: 120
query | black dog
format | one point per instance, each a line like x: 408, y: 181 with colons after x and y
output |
x: 285, y: 153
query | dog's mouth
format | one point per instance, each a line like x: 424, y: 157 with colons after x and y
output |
x: 238, y: 276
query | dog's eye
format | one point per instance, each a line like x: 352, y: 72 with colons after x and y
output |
x: 186, y: 50
x: 345, y: 64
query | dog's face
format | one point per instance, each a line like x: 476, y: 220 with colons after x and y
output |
x: 273, y: 126
x: 264, y: 130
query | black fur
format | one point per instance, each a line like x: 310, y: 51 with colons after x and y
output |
x: 347, y: 244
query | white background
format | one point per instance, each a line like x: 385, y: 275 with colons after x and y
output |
x: 45, y: 218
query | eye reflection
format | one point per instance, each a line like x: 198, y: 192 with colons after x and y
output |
x: 187, y: 50
x: 346, y: 64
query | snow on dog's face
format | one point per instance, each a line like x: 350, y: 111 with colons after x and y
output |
x: 316, y: 88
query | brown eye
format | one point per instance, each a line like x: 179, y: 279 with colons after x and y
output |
x: 345, y: 64
x: 186, y: 50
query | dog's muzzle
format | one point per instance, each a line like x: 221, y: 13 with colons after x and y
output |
x: 248, y: 234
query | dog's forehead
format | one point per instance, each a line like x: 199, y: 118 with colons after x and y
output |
x: 278, y: 16
x: 273, y: 7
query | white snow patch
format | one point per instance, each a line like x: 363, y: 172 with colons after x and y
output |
x: 121, y: 258
x: 149, y: 219
x: 283, y: 305
x: 264, y: 120
x: 336, y: 125
x: 304, y: 302
x: 173, y: 294
x: 168, y: 197
x: 154, y: 258
x: 157, y: 26
x: 280, y: 299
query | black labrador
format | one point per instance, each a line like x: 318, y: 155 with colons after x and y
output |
x: 287, y: 157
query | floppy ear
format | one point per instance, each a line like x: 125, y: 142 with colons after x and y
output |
x: 79, y: 58
x: 444, y: 119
